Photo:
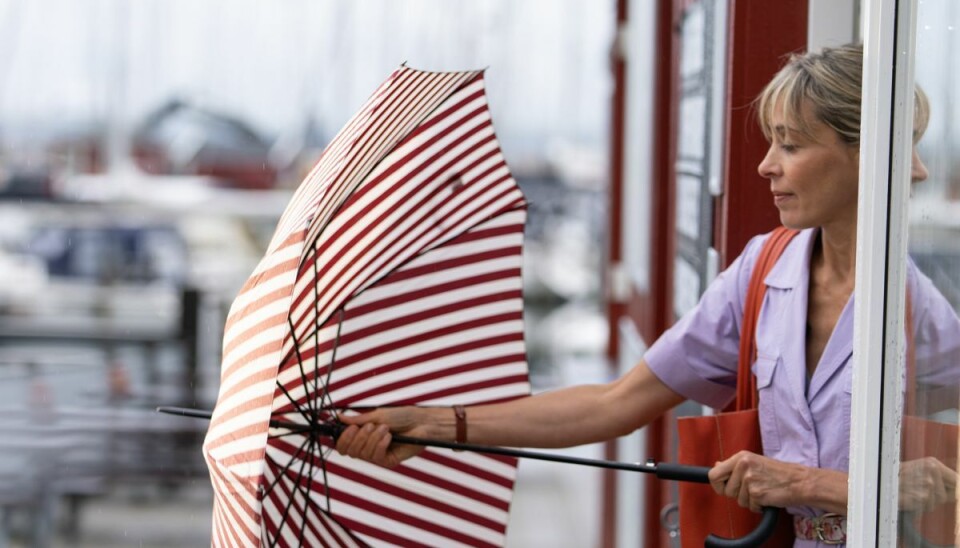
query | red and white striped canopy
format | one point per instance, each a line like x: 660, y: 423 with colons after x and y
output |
x: 393, y: 279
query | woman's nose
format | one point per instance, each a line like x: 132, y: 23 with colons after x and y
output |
x: 918, y: 171
x: 768, y: 167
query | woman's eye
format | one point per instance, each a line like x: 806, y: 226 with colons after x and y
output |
x: 788, y: 147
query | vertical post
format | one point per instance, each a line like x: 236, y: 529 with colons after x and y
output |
x: 4, y: 527
x: 615, y: 297
x: 190, y: 337
x: 885, y: 155
x: 659, y: 301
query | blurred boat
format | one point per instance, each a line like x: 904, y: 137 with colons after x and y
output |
x: 184, y: 139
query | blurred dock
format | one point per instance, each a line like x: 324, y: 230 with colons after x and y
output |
x: 554, y: 506
x: 115, y: 478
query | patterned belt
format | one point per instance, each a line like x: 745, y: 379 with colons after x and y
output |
x: 827, y: 528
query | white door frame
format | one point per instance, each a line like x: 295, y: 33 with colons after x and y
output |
x: 885, y: 155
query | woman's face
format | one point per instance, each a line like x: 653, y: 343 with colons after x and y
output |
x: 813, y: 177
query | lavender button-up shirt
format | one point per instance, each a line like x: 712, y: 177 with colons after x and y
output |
x: 800, y: 422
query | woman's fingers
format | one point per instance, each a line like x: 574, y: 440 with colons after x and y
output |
x: 372, y: 437
x: 370, y: 442
x: 353, y: 438
x: 719, y: 475
x: 743, y: 497
x: 368, y: 437
x: 738, y: 486
x: 754, y: 480
x: 940, y: 484
x: 728, y: 479
x: 346, y: 439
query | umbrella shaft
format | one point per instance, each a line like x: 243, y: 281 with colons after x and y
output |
x: 667, y: 471
x: 205, y: 414
x: 697, y: 474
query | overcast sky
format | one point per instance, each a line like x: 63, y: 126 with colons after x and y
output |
x: 276, y: 61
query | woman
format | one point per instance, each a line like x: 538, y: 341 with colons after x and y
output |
x: 810, y: 114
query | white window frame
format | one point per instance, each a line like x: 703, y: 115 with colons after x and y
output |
x: 885, y: 155
x: 638, y: 46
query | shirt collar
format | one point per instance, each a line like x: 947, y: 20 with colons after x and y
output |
x: 786, y: 273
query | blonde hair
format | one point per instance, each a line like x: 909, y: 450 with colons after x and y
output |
x: 830, y: 80
x: 921, y: 113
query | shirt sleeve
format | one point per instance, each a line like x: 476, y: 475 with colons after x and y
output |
x: 936, y: 332
x: 697, y: 357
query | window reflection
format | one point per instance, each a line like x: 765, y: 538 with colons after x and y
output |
x: 929, y: 443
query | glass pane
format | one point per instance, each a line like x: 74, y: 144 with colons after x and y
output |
x: 929, y: 444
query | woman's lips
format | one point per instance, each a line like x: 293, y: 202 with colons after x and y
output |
x: 780, y: 198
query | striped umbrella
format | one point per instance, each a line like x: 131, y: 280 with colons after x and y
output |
x: 393, y: 278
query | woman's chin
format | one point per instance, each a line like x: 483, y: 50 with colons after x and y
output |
x: 792, y: 222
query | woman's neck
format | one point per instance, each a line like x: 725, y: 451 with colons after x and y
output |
x: 836, y: 252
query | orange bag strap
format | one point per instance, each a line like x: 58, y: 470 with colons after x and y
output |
x: 747, y: 397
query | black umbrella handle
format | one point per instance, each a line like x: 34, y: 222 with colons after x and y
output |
x: 754, y: 538
x: 683, y: 472
x: 910, y: 536
x: 698, y: 474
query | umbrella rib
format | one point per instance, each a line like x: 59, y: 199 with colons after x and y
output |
x: 296, y: 487
x: 323, y: 467
x: 289, y: 433
x: 306, y: 494
x: 326, y: 481
x: 306, y: 491
x: 273, y: 484
x: 325, y: 394
x: 316, y: 337
x: 306, y: 416
x: 310, y: 417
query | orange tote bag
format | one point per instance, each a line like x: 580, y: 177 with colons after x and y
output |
x: 706, y: 440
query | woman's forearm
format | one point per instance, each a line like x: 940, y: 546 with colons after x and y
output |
x: 825, y: 489
x: 566, y: 417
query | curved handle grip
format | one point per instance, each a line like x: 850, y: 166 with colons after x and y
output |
x: 754, y: 538
x: 909, y: 534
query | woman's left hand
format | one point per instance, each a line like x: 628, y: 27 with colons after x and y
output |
x: 757, y: 481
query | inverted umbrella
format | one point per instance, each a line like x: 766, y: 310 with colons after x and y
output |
x: 393, y: 278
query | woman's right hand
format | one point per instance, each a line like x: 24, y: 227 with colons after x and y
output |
x: 369, y: 436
